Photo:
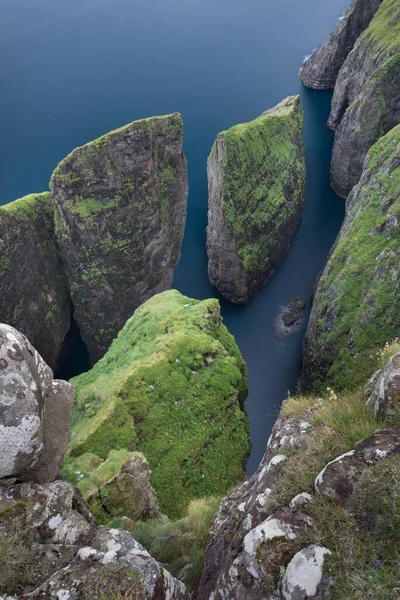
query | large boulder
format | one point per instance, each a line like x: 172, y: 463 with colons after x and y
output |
x: 355, y: 310
x: 120, y: 205
x: 173, y: 386
x: 320, y: 71
x: 35, y: 411
x: 256, y: 176
x: 385, y: 396
x: 33, y: 296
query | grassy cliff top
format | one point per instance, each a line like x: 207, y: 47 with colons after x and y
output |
x: 383, y: 34
x: 26, y: 205
x: 172, y: 385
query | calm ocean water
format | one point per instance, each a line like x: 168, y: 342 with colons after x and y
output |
x: 71, y: 71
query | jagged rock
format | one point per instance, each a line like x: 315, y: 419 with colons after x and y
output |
x: 355, y: 311
x: 304, y: 577
x: 120, y: 213
x: 118, y: 486
x: 35, y: 411
x: 33, y: 296
x: 386, y: 392
x: 173, y: 386
x: 343, y: 475
x: 320, y: 71
x: 293, y: 311
x: 365, y: 104
x: 256, y: 175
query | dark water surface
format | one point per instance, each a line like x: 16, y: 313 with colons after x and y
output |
x: 71, y: 71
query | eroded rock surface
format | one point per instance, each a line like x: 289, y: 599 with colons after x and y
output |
x: 320, y: 71
x: 256, y: 176
x: 385, y: 396
x: 33, y: 293
x: 35, y: 411
x: 120, y: 214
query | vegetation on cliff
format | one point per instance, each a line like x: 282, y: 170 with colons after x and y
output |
x: 33, y: 296
x: 356, y: 308
x: 256, y: 176
x: 173, y: 385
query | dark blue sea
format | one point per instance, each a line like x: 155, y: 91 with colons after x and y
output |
x: 71, y: 71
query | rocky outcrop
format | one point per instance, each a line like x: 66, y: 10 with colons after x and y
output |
x: 385, y: 395
x: 320, y: 71
x: 256, y: 175
x: 33, y: 295
x: 118, y: 486
x: 355, y: 311
x: 365, y: 104
x: 173, y: 386
x: 120, y: 206
x: 35, y: 411
x: 50, y: 546
x: 293, y: 311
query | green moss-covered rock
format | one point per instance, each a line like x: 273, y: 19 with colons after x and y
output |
x: 356, y: 309
x: 256, y: 175
x: 33, y: 294
x: 173, y: 385
x: 120, y: 213
x: 365, y: 104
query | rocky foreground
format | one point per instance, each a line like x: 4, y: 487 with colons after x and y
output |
x: 256, y: 178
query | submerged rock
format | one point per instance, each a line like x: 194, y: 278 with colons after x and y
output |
x: 35, y: 411
x: 120, y: 214
x: 33, y: 296
x: 355, y: 311
x: 320, y: 71
x: 256, y: 175
x: 173, y: 386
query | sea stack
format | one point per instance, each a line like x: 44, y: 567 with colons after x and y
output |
x: 257, y: 183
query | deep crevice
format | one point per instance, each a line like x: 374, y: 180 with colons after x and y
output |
x: 74, y: 354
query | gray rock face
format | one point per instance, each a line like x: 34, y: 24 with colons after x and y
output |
x: 34, y: 410
x: 120, y: 214
x: 386, y: 393
x: 33, y: 294
x: 256, y: 178
x: 320, y: 71
x: 304, y: 578
x: 340, y: 478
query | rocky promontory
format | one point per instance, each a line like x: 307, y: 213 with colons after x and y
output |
x: 173, y: 386
x: 320, y: 71
x: 120, y: 209
x: 33, y: 295
x: 256, y: 177
x: 356, y: 309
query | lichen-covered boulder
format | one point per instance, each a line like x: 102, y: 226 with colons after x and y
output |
x: 52, y: 549
x: 35, y: 411
x: 117, y: 486
x: 173, y: 386
x: 340, y: 478
x: 386, y: 394
x: 355, y: 310
x: 120, y: 205
x: 365, y: 104
x: 320, y: 71
x: 304, y: 577
x: 256, y: 177
x: 33, y: 294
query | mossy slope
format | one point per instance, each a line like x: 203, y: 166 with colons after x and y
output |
x: 356, y: 308
x: 33, y: 296
x: 256, y: 175
x: 172, y: 385
x: 120, y: 213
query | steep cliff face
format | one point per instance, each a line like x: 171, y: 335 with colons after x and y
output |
x: 172, y: 385
x: 33, y: 294
x: 256, y: 174
x: 356, y: 308
x: 366, y: 103
x: 120, y: 206
x: 320, y: 71
x: 316, y: 519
